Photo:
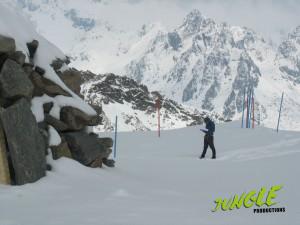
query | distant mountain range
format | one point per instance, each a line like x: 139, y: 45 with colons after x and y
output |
x: 201, y: 63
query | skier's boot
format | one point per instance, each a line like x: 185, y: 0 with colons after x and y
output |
x: 213, y: 157
x: 202, y: 157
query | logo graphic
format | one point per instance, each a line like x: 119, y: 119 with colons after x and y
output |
x: 247, y: 200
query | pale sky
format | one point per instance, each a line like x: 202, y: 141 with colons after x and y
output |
x: 272, y: 18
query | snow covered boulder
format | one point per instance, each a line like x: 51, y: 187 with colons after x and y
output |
x: 45, y: 86
x: 76, y: 119
x: 26, y: 144
x: 37, y: 106
x: 72, y: 78
x: 86, y: 148
x: 14, y: 82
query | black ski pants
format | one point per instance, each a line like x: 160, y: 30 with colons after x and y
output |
x: 209, y: 141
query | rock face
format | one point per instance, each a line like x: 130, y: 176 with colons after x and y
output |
x: 86, y: 148
x: 26, y: 145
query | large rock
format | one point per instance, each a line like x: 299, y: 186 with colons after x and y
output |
x: 57, y: 124
x: 62, y: 150
x: 4, y: 169
x: 7, y: 47
x: 44, y: 86
x: 14, y: 83
x: 107, y: 142
x: 28, y: 68
x: 72, y: 78
x: 7, y: 44
x: 25, y: 143
x: 76, y: 119
x: 18, y: 57
x: 86, y: 148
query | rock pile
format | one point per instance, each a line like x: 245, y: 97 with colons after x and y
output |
x: 24, y: 142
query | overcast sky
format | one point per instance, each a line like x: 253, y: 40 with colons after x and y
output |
x: 272, y: 18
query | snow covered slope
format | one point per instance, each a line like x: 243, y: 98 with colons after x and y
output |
x: 135, y: 105
x: 161, y: 181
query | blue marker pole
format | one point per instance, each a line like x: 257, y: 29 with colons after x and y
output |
x: 250, y: 107
x: 243, y: 108
x: 115, y: 142
x: 279, y: 112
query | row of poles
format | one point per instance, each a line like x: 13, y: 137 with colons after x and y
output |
x: 248, y: 108
x: 248, y: 112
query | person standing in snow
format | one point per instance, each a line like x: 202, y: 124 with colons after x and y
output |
x: 209, y: 137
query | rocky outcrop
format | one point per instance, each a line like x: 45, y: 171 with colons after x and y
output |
x: 110, y: 91
x: 24, y: 142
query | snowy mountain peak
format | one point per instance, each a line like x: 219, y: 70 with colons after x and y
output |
x: 192, y: 22
x: 295, y: 34
x: 208, y: 65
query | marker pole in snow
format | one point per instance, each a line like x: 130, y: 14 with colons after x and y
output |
x: 243, y: 108
x: 252, y: 109
x: 247, y: 111
x: 279, y: 112
x: 157, y: 103
x: 115, y: 142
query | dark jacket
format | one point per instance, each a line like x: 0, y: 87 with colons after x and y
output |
x: 210, y: 126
